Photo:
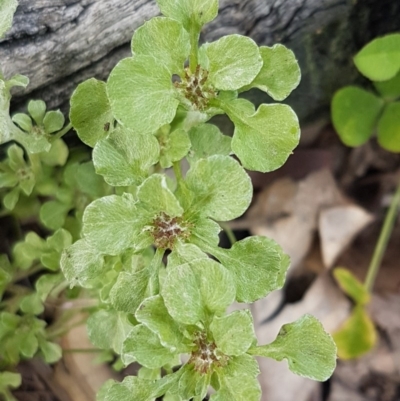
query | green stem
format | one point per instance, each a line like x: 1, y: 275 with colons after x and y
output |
x: 229, y: 232
x: 383, y: 240
x: 194, y: 47
x: 61, y: 133
x: 178, y: 172
x: 82, y: 350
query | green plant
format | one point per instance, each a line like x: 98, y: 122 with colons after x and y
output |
x: 356, y: 115
x: 150, y: 115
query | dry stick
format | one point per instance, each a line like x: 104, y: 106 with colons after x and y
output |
x: 383, y: 240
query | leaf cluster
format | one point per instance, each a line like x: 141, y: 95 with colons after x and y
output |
x: 358, y: 113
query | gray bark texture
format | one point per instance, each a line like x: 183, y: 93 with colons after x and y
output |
x: 60, y: 43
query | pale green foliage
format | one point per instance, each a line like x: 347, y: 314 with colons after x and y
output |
x: 90, y: 112
x: 257, y: 264
x: 165, y: 40
x: 351, y: 286
x: 222, y: 188
x: 124, y: 158
x: 146, y: 100
x: 227, y: 70
x: 389, y: 89
x: 117, y: 217
x: 280, y: 73
x: 309, y: 350
x: 192, y: 14
x: 265, y: 139
x: 7, y: 10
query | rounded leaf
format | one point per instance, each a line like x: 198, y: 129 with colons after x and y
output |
x: 227, y: 70
x: 280, y: 73
x: 141, y: 94
x: 125, y: 157
x: 37, y: 110
x: 110, y: 223
x: 53, y: 121
x: 308, y: 348
x: 7, y: 10
x: 263, y: 141
x: 389, y: 128
x: 222, y: 189
x: 90, y: 112
x: 233, y: 333
x: 354, y: 114
x: 379, y: 60
x: 164, y: 39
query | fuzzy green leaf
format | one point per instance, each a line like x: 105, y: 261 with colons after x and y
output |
x: 280, y: 73
x: 47, y: 283
x: 11, y: 199
x: 222, y: 189
x: 192, y: 14
x: 164, y: 39
x: 257, y: 264
x: 23, y: 120
x: 53, y: 121
x: 37, y: 110
x: 141, y: 94
x: 51, y: 352
x: 379, y: 60
x: 389, y: 128
x: 227, y: 70
x: 238, y: 380
x: 57, y: 155
x: 10, y: 379
x: 7, y: 10
x: 356, y: 336
x: 90, y: 112
x: 153, y: 314
x: 355, y: 114
x: 174, y: 146
x: 264, y: 140
x: 131, y: 289
x: 131, y: 389
x: 208, y: 140
x: 204, y: 231
x: 308, y: 348
x: 144, y: 346
x: 389, y: 89
x: 234, y: 333
x: 108, y: 329
x: 53, y: 214
x: 351, y: 286
x: 81, y: 263
x: 32, y: 304
x: 204, y: 287
x: 243, y: 388
x: 155, y: 196
x: 111, y: 223
x: 125, y: 157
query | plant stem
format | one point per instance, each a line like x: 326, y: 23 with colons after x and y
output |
x: 62, y: 132
x: 81, y: 350
x: 229, y: 232
x: 178, y: 172
x: 383, y: 240
x: 194, y: 47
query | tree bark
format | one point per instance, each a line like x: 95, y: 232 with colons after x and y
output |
x: 60, y: 43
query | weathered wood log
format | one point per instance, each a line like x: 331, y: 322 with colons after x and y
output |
x: 59, y: 43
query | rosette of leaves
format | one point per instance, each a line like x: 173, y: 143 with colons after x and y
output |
x: 16, y: 174
x: 153, y: 88
x: 220, y: 346
x: 357, y: 113
x: 215, y: 188
x: 8, y: 381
